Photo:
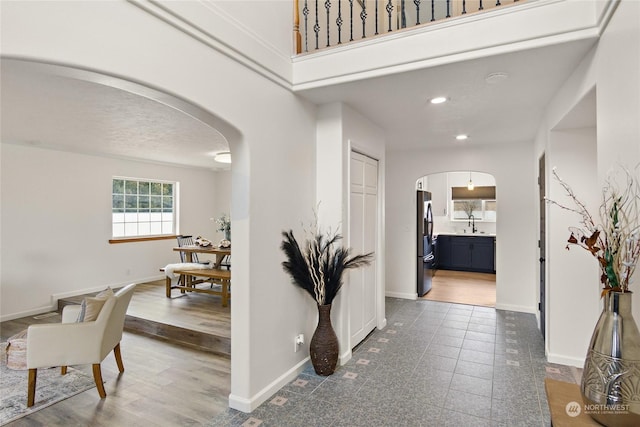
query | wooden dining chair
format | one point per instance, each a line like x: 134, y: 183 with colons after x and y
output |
x: 187, y: 241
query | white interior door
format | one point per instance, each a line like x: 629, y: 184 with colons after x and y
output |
x: 363, y: 239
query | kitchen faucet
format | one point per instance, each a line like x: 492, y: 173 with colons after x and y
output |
x: 472, y: 223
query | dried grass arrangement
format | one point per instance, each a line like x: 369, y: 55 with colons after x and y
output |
x: 317, y: 267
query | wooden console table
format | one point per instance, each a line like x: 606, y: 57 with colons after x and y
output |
x: 559, y: 394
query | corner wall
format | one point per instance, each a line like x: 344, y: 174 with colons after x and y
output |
x: 613, y: 68
x: 273, y: 181
x: 341, y: 129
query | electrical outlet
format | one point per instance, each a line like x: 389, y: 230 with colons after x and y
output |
x: 298, y: 342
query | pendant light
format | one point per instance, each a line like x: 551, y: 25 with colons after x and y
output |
x: 470, y: 184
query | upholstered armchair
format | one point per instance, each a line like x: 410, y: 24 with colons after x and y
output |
x: 78, y: 343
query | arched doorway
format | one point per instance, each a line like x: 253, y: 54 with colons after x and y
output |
x: 457, y: 237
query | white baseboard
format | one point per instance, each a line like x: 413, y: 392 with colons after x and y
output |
x: 56, y: 297
x: 565, y: 360
x: 345, y: 357
x: 382, y: 324
x: 518, y: 308
x: 402, y: 295
x: 249, y: 404
x: 27, y: 313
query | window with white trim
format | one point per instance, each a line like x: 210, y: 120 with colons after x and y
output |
x: 479, y: 202
x: 143, y: 207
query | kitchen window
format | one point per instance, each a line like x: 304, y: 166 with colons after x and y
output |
x: 143, y: 207
x: 479, y: 202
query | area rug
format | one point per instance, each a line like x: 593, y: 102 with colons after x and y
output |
x: 51, y: 388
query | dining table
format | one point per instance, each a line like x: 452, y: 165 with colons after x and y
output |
x: 189, y: 276
x: 218, y: 252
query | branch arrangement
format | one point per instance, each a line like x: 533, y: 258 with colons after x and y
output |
x: 615, y: 241
x: 319, y: 266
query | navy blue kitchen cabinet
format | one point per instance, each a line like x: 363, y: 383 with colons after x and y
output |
x: 466, y: 253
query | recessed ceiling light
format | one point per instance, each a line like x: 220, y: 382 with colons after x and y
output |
x: 462, y: 137
x: 438, y: 100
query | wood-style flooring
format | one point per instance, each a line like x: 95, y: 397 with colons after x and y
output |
x: 463, y: 288
x: 195, y: 311
x: 192, y: 319
x: 164, y: 384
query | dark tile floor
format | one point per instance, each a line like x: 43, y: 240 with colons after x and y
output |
x: 435, y: 364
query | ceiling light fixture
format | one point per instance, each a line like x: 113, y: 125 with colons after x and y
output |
x: 223, y: 157
x: 495, y: 78
x: 470, y: 184
x: 462, y: 137
x: 438, y: 100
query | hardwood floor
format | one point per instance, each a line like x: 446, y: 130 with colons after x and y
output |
x: 192, y: 319
x: 195, y: 311
x: 463, y: 288
x: 164, y: 383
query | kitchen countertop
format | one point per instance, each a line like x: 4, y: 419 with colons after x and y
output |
x: 466, y: 234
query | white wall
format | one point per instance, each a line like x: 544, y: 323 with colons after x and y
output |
x: 271, y: 133
x: 573, y: 274
x: 516, y: 259
x: 340, y: 129
x: 613, y: 69
x: 56, y: 223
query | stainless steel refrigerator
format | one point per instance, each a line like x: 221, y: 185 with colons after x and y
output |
x: 425, y: 241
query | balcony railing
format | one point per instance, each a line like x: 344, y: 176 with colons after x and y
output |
x: 320, y: 24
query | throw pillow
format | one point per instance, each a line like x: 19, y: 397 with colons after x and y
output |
x: 16, y: 351
x: 91, y: 306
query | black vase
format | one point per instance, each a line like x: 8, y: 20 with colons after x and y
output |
x: 324, y: 343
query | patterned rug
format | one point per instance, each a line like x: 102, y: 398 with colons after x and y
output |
x: 51, y: 388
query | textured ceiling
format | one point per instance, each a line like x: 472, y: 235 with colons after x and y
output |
x: 81, y: 116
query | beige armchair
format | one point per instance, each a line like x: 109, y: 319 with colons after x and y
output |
x: 71, y: 343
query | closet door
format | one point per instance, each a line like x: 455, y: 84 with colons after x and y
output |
x: 363, y: 239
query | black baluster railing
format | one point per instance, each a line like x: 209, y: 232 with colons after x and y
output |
x: 363, y: 17
x: 351, y: 20
x: 396, y: 11
x: 305, y: 12
x: 316, y: 27
x: 327, y: 6
x: 376, y: 32
x: 339, y: 21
